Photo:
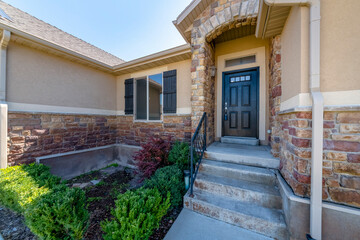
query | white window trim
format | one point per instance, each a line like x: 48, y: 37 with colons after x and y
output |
x: 147, y: 102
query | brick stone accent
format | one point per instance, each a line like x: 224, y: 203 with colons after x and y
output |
x: 290, y: 140
x: 341, y: 162
x: 35, y: 135
x: 217, y: 18
x: 275, y: 94
x: 178, y: 127
x: 342, y: 157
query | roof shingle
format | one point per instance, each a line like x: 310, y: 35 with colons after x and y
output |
x: 24, y: 22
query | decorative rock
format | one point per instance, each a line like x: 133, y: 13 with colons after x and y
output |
x: 95, y: 182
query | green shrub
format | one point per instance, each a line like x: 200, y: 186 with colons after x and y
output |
x: 60, y: 214
x: 51, y: 209
x: 21, y: 185
x: 168, y: 179
x: 179, y: 155
x: 137, y: 214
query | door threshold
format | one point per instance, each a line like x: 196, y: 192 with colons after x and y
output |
x: 240, y: 140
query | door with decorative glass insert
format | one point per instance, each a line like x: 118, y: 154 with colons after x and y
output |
x: 240, y: 103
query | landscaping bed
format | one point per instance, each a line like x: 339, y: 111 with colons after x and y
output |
x: 111, y: 203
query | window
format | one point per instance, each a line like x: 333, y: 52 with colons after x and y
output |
x: 149, y: 97
x: 240, y: 61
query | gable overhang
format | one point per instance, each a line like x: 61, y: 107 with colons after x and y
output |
x: 185, y: 20
x: 273, y: 15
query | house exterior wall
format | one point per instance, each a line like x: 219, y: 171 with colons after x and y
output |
x: 295, y: 54
x: 32, y: 135
x: 183, y: 85
x: 292, y: 126
x: 340, y: 46
x: 38, y: 78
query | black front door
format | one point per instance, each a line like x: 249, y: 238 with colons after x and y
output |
x: 240, y: 103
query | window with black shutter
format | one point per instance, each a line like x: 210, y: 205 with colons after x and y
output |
x: 169, y: 79
x: 129, y: 96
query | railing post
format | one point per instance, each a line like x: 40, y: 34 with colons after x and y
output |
x: 191, y: 168
x: 205, y: 129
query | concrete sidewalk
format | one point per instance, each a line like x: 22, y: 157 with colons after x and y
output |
x: 193, y: 226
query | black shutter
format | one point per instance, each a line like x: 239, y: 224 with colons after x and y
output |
x: 129, y: 96
x: 169, y: 79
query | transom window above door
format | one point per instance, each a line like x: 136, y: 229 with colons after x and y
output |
x: 149, y: 97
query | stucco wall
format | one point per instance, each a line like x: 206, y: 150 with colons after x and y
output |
x: 183, y: 85
x: 35, y: 77
x: 340, y: 46
x: 294, y: 53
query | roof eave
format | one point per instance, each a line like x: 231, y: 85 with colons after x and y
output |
x: 56, y: 47
x: 154, y: 59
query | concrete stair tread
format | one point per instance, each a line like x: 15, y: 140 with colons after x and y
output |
x: 251, y: 141
x: 242, y: 154
x: 250, y: 186
x: 239, y: 167
x: 250, y: 209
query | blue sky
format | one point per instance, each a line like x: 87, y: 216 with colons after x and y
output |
x: 128, y: 29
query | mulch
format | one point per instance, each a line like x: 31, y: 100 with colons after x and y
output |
x: 166, y: 224
x: 12, y: 226
x: 105, y: 194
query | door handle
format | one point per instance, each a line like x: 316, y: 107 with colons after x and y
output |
x: 225, y: 112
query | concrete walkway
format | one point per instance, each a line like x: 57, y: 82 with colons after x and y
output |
x: 193, y: 226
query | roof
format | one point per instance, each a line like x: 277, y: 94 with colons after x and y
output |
x: 188, y: 15
x: 247, y: 9
x: 172, y: 55
x: 28, y: 24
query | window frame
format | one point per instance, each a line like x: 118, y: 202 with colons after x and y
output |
x: 147, y: 101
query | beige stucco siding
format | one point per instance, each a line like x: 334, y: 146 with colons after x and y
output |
x: 340, y: 45
x: 183, y: 84
x: 35, y: 77
x: 295, y: 53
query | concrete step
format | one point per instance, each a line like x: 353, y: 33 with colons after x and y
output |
x: 258, y: 156
x: 256, y: 193
x: 237, y: 171
x: 266, y: 221
x: 241, y: 140
x: 190, y: 225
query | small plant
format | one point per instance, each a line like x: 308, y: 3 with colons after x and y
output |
x: 111, y: 165
x: 137, y: 214
x: 60, y: 214
x: 179, y: 155
x: 94, y: 199
x: 101, y: 183
x: 152, y: 156
x: 168, y: 179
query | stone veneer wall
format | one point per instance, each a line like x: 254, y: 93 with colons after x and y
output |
x: 291, y: 142
x: 275, y: 94
x: 217, y: 18
x: 34, y: 135
x: 178, y: 127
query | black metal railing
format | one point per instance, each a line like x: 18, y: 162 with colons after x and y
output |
x: 197, y: 149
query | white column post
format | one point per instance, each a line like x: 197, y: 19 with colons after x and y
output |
x: 317, y: 123
x: 3, y: 106
x: 3, y: 134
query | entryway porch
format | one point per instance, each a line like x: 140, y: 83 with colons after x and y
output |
x: 237, y: 185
